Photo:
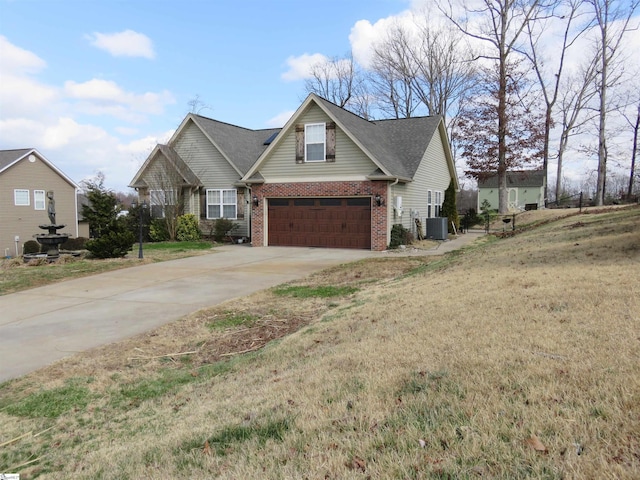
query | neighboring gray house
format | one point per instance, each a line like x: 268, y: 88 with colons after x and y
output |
x: 525, y: 190
x: 328, y: 178
x: 25, y: 177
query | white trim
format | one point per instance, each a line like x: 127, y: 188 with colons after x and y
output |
x: 344, y: 178
x: 16, y: 191
x: 35, y: 200
x: 221, y: 204
x: 307, y: 143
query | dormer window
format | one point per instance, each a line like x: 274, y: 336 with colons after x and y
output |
x: 314, y: 145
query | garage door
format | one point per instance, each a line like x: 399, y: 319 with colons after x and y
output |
x: 320, y: 222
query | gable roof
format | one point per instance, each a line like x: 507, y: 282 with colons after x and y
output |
x: 240, y: 146
x: 188, y: 177
x: 395, y: 146
x: 515, y: 178
x: 9, y: 158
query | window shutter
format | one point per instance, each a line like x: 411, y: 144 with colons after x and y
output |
x: 331, y: 142
x: 299, y: 143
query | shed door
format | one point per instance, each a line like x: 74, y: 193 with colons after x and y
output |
x: 320, y: 222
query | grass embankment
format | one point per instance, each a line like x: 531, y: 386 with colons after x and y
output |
x: 15, y: 275
x: 517, y: 358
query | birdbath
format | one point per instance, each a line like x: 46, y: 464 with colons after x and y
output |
x: 52, y: 240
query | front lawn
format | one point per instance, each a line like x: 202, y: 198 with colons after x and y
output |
x: 16, y: 275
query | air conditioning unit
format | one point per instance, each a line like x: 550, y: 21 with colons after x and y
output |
x: 437, y: 228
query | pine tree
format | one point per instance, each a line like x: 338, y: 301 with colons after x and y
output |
x: 450, y: 209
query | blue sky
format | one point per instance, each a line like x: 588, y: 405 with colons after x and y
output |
x: 94, y: 85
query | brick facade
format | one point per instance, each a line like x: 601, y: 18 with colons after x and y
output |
x: 379, y: 225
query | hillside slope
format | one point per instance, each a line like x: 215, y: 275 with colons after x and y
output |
x: 515, y: 358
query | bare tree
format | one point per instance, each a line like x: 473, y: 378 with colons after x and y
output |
x: 499, y: 24
x: 632, y: 119
x: 577, y: 92
x: 197, y: 105
x: 612, y: 19
x: 566, y: 13
x: 392, y: 75
x: 340, y: 81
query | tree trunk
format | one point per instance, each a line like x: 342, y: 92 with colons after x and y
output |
x: 633, y: 154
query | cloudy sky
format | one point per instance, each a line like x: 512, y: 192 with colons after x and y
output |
x: 94, y: 85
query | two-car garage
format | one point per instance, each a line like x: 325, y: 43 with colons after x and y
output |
x: 320, y: 222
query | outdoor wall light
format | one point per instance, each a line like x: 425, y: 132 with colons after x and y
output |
x: 256, y: 201
x: 378, y: 199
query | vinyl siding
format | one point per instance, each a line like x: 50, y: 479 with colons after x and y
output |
x: 350, y: 163
x: 210, y: 166
x: 432, y: 174
x: 525, y: 195
x: 23, y: 221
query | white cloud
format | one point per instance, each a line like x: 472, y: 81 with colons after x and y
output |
x: 52, y: 118
x: 124, y: 44
x: 300, y: 67
x: 105, y: 97
x: 16, y: 60
x: 280, y: 119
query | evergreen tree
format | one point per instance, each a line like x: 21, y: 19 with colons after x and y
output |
x: 102, y: 209
x: 449, y: 207
x: 111, y: 237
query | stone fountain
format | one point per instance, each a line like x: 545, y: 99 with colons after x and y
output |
x: 51, y: 240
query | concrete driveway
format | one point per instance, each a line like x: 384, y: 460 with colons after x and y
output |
x: 42, y: 325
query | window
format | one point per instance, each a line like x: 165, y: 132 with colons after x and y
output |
x: 38, y: 199
x: 222, y: 204
x: 314, y: 142
x: 438, y: 206
x: 429, y: 203
x: 159, y: 200
x: 21, y: 197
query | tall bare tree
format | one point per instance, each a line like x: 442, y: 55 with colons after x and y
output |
x: 340, y: 81
x: 577, y: 92
x: 612, y: 18
x: 499, y: 25
x: 567, y: 14
x: 393, y: 71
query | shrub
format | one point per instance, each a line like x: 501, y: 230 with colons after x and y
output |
x: 222, y: 228
x: 74, y: 244
x: 114, y: 244
x: 188, y: 229
x: 399, y: 236
x: 31, y: 246
x: 158, y: 231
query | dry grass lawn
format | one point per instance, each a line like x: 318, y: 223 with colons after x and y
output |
x: 515, y: 358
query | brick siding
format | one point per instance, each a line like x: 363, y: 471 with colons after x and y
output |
x: 322, y: 189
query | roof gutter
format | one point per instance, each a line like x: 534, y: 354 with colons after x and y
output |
x: 389, y: 178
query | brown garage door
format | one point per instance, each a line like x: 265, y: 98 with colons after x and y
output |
x: 320, y: 222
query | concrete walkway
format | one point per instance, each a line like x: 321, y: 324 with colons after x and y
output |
x: 45, y: 324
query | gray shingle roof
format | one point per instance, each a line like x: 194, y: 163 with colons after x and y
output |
x: 7, y: 157
x: 518, y: 178
x: 241, y: 145
x: 398, y: 144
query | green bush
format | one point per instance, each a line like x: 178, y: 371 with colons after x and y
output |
x: 158, y: 231
x: 449, y: 208
x: 222, y: 228
x: 113, y: 244
x: 399, y: 236
x: 188, y: 229
x: 74, y: 244
x: 30, y: 247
